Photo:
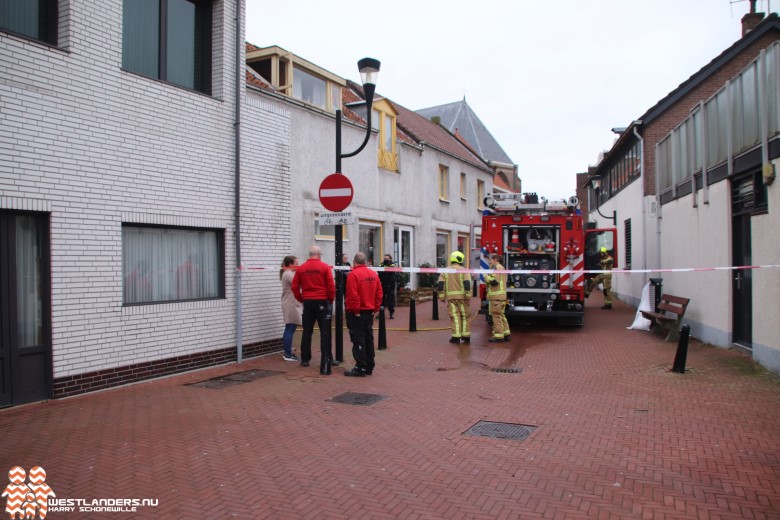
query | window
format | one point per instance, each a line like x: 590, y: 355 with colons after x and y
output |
x: 309, y: 88
x: 370, y: 242
x: 444, y: 182
x: 36, y: 19
x: 442, y: 249
x: 326, y: 232
x: 462, y: 186
x: 171, y: 264
x: 480, y: 195
x: 168, y: 40
x: 383, y: 121
x: 463, y: 247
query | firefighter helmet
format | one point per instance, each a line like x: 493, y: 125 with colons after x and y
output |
x: 456, y: 257
x: 603, y: 250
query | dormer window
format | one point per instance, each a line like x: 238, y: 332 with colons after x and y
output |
x: 295, y: 77
x: 383, y: 121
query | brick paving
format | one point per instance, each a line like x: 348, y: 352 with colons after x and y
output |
x: 617, y: 434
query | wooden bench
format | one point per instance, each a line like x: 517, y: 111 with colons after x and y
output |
x: 671, y: 310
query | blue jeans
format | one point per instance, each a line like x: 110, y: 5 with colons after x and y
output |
x: 287, y: 338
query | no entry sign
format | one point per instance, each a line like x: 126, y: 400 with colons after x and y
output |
x: 336, y: 192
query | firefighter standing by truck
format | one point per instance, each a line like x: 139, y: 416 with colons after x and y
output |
x: 496, y: 296
x: 603, y: 278
x: 455, y: 289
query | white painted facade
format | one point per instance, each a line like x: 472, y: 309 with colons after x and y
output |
x: 384, y: 198
x: 685, y: 228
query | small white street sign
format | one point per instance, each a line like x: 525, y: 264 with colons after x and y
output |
x: 337, y: 219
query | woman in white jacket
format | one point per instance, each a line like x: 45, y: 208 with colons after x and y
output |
x: 291, y: 308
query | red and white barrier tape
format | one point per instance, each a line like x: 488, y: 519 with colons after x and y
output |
x: 439, y: 270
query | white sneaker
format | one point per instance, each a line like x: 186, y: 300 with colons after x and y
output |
x: 293, y: 357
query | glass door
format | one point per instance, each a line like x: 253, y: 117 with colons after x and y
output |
x: 403, y: 250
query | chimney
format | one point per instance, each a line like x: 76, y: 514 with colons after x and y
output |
x: 752, y: 19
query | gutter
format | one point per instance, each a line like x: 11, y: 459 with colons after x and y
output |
x: 644, y: 205
x: 237, y: 182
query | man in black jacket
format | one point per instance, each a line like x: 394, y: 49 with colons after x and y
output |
x: 388, y: 285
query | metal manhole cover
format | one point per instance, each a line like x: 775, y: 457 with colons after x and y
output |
x: 216, y: 384
x: 251, y: 375
x: 500, y: 430
x: 357, y: 398
x: 511, y: 370
x: 238, y: 378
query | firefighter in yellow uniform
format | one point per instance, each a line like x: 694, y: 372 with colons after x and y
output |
x: 607, y: 262
x: 455, y: 289
x: 496, y: 295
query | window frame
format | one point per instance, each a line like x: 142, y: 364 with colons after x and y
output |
x: 325, y: 236
x: 384, y: 121
x: 480, y: 194
x: 48, y: 17
x: 372, y: 258
x: 203, y: 66
x: 444, y: 260
x: 219, y: 237
x: 444, y: 183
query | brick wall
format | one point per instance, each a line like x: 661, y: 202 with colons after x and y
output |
x: 95, y: 146
x: 666, y: 122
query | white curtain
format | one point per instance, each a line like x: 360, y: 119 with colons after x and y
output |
x: 28, y: 287
x: 162, y: 264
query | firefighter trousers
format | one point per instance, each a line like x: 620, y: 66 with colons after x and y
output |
x: 500, y: 324
x: 459, y: 318
x: 606, y: 281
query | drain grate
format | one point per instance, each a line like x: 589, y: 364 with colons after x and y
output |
x: 500, y: 430
x: 217, y: 383
x: 511, y: 370
x: 357, y: 398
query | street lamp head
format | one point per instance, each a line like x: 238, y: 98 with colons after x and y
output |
x: 369, y: 69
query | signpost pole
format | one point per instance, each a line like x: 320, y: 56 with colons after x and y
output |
x: 339, y: 274
x: 369, y: 68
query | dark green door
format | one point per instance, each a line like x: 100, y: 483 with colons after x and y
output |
x: 25, y: 331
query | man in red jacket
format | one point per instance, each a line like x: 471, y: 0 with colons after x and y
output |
x: 313, y: 286
x: 364, y: 297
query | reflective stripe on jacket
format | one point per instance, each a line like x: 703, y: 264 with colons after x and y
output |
x: 496, y: 292
x: 453, y: 285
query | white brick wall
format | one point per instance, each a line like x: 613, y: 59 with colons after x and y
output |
x: 96, y: 146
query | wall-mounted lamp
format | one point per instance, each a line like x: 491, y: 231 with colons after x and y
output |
x: 596, y: 183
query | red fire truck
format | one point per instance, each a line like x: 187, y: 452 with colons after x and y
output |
x: 546, y: 246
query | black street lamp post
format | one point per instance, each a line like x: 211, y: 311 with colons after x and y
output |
x: 369, y: 68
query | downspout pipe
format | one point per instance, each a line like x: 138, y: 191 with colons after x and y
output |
x: 644, y: 206
x: 237, y: 181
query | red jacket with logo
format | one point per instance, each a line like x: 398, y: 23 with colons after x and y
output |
x: 364, y: 290
x: 313, y: 280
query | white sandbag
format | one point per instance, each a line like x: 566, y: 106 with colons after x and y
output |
x: 640, y: 322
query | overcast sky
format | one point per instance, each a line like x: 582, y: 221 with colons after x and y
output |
x: 549, y: 79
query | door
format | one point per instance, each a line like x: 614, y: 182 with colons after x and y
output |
x: 742, y: 206
x: 595, y: 239
x: 25, y: 337
x: 403, y: 249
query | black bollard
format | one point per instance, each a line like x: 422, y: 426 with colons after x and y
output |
x: 435, y: 305
x: 382, y: 342
x: 412, y: 316
x: 682, y: 350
